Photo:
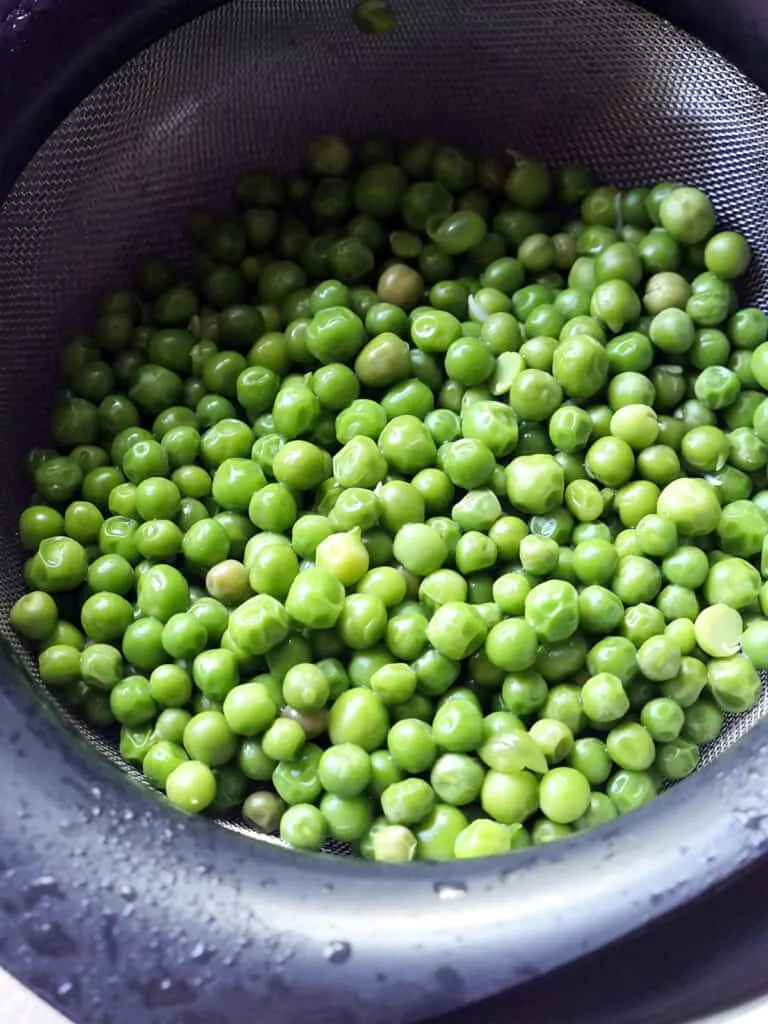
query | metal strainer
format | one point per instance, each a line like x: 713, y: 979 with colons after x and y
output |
x: 596, y: 81
x: 600, y: 82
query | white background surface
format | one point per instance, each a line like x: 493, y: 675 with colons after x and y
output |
x: 22, y: 1007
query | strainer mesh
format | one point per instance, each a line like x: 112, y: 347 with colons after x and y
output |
x: 596, y: 81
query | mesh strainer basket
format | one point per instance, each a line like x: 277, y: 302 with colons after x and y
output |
x: 176, y: 918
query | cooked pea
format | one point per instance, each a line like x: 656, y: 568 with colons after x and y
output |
x: 497, y: 486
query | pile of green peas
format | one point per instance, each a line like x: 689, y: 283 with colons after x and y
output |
x: 427, y: 513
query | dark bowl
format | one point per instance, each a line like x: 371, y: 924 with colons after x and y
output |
x: 116, y: 908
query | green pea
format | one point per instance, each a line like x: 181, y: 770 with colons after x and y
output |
x: 105, y: 616
x: 259, y: 624
x: 170, y: 685
x: 437, y: 834
x: 734, y: 682
x: 363, y: 621
x: 303, y: 827
x: 691, y: 505
x: 509, y: 797
x: 590, y: 757
x: 59, y: 665
x: 458, y: 726
x: 34, y: 615
x: 191, y: 786
x: 457, y: 779
x: 456, y: 630
x: 703, y: 721
x: 407, y: 445
x: 131, y: 702
x: 101, y: 666
x: 160, y: 760
x: 60, y: 564
x: 37, y: 523
x: 170, y: 725
x: 551, y: 608
x: 631, y: 746
x: 564, y: 795
x: 407, y: 802
x: 512, y: 645
x: 535, y: 483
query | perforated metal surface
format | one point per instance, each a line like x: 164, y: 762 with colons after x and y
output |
x: 597, y: 81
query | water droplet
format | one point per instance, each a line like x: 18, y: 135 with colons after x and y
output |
x: 50, y: 939
x: 96, y: 792
x: 450, y: 890
x: 17, y: 19
x: 201, y: 952
x: 167, y: 992
x: 337, y: 952
x: 40, y: 887
x: 65, y: 990
x: 326, y: 888
x: 128, y: 893
x: 128, y: 815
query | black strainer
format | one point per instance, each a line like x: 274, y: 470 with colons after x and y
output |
x: 114, y: 905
